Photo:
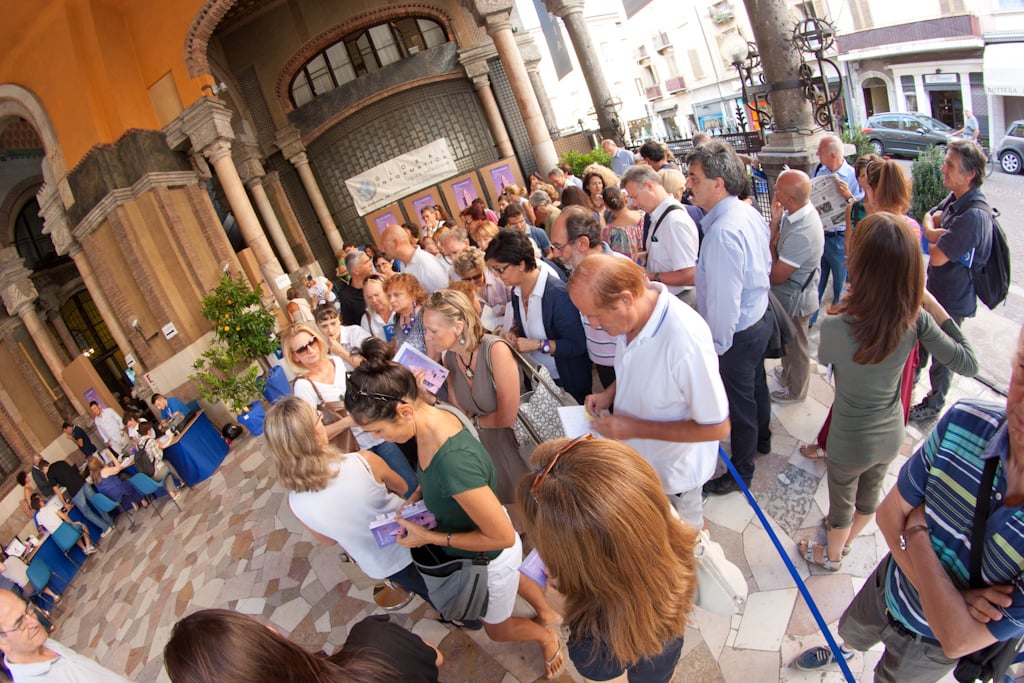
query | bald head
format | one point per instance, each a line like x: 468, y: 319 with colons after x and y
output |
x: 830, y: 152
x: 793, y: 189
x: 397, y: 243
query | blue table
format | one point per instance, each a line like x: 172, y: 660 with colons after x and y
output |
x: 197, y: 451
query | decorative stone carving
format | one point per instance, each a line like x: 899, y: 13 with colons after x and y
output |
x: 205, y: 122
x: 289, y: 141
x: 15, y: 282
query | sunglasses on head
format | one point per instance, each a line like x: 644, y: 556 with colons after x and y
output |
x: 542, y: 475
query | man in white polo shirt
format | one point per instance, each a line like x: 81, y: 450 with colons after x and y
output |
x: 668, y: 396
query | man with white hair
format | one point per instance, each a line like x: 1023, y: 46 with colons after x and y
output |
x: 833, y: 260
x: 544, y: 210
x: 621, y: 158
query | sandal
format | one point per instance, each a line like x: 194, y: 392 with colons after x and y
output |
x: 554, y: 667
x: 828, y: 528
x: 807, y: 549
x: 812, y: 451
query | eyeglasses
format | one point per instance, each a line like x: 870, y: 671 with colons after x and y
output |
x: 539, y: 478
x: 558, y: 246
x: 21, y: 624
x: 353, y: 390
x: 474, y: 278
x: 500, y: 270
x: 305, y: 347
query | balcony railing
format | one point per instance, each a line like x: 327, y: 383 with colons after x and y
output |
x: 675, y: 84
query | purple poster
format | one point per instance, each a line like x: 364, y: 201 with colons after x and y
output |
x: 420, y: 202
x: 385, y: 220
x: 501, y: 177
x: 464, y: 192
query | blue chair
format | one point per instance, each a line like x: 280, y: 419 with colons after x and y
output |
x: 148, y: 487
x: 66, y: 536
x: 106, y: 504
x: 39, y: 575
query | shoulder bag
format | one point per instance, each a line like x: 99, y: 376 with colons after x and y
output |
x: 457, y: 586
x: 989, y: 663
x: 721, y: 587
x: 537, y: 420
x: 332, y: 411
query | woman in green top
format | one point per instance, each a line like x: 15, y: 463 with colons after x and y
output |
x: 867, y: 339
x: 458, y: 484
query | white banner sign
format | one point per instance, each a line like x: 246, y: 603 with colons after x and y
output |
x: 401, y: 176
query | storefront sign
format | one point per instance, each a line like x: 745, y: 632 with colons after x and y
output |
x: 401, y: 176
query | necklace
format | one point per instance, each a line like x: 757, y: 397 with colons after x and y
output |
x: 407, y: 326
x: 467, y: 367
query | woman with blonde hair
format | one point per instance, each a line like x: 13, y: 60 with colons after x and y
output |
x: 458, y: 484
x: 595, y: 511
x: 336, y: 495
x: 483, y: 380
x: 320, y: 379
x: 106, y: 481
x: 406, y: 296
x: 867, y: 339
x: 482, y: 232
x: 469, y: 264
x: 520, y: 196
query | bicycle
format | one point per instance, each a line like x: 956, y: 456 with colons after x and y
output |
x: 991, y: 162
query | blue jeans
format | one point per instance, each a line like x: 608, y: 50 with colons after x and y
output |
x: 833, y: 261
x: 85, y: 494
x: 395, y: 459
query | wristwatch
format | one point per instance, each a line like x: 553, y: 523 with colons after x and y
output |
x: 545, y: 346
x: 906, y: 532
x: 849, y: 200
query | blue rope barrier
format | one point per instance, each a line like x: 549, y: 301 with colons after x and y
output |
x: 833, y: 645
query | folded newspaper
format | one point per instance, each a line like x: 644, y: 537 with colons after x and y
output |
x: 829, y: 202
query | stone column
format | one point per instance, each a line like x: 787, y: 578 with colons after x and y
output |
x: 206, y: 126
x: 477, y: 70
x: 791, y: 145
x: 571, y: 13
x: 252, y: 173
x: 64, y: 333
x: 289, y: 221
x: 531, y: 58
x: 496, y: 16
x: 19, y: 295
x: 55, y: 224
x: 290, y: 143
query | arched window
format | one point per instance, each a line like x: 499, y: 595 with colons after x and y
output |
x: 33, y: 246
x: 362, y: 52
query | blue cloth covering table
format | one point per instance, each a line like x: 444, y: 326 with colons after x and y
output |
x: 197, y: 451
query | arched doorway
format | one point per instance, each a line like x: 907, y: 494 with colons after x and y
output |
x: 876, y: 95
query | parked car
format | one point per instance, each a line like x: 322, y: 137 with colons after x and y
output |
x: 905, y: 133
x: 1011, y: 149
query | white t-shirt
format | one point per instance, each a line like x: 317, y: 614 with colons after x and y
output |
x: 332, y: 392
x: 669, y: 372
x: 322, y: 290
x: 343, y: 511
x: 431, y: 274
x: 47, y: 517
x: 351, y: 337
x: 674, y: 245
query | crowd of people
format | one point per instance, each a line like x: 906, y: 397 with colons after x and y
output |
x: 651, y: 293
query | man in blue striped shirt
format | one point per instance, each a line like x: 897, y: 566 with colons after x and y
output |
x: 918, y: 602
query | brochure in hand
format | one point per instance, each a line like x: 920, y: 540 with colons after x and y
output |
x: 414, y: 359
x: 385, y: 529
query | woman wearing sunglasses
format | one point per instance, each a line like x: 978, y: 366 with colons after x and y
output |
x: 320, y: 378
x: 597, y: 516
x: 458, y: 484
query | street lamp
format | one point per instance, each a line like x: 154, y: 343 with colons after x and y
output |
x: 744, y: 58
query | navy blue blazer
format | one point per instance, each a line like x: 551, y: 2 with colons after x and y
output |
x: 563, y: 326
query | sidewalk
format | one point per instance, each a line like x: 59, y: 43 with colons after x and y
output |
x: 237, y: 546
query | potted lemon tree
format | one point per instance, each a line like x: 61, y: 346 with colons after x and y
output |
x: 234, y: 369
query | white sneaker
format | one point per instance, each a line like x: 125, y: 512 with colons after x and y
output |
x: 109, y: 530
x: 90, y: 550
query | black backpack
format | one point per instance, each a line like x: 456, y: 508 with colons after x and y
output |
x: 143, y: 463
x: 991, y: 275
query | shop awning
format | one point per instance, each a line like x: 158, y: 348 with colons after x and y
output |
x: 1004, y: 69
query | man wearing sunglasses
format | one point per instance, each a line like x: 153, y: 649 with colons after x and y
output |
x: 30, y: 655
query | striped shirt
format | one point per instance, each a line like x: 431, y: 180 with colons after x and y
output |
x: 945, y: 474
